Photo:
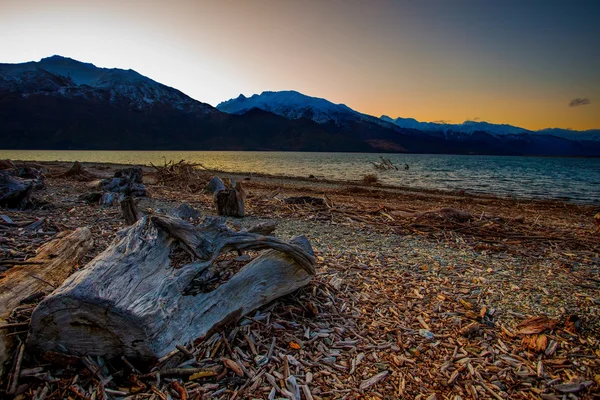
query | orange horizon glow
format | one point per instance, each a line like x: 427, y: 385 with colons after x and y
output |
x: 508, y: 64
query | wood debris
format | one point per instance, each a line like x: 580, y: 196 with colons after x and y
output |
x: 512, y: 303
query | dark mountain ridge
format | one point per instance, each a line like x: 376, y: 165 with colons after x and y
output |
x: 60, y: 103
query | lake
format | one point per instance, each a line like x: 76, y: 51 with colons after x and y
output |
x: 571, y: 179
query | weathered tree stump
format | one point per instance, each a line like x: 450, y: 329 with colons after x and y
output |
x: 230, y: 201
x: 48, y: 269
x: 130, y: 300
x: 214, y: 185
x: 77, y: 172
x: 127, y: 181
x: 129, y: 210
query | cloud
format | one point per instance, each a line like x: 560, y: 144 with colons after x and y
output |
x: 476, y: 119
x: 442, y: 121
x: 579, y: 102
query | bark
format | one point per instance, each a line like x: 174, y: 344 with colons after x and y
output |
x: 215, y: 185
x: 15, y: 192
x: 77, y: 172
x: 17, y: 185
x: 129, y: 210
x: 48, y: 269
x: 186, y: 211
x: 127, y: 181
x: 131, y: 300
x: 230, y: 201
x: 264, y: 228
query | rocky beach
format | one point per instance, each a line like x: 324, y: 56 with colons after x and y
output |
x: 417, y: 294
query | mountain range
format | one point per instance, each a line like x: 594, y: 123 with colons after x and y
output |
x: 61, y: 103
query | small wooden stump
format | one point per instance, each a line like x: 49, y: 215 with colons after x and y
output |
x: 129, y: 210
x: 77, y: 172
x: 228, y: 201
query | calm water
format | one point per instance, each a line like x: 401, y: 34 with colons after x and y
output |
x: 531, y: 177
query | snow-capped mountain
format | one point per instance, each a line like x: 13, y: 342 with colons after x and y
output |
x: 65, y: 77
x: 470, y: 127
x: 292, y: 105
x: 60, y: 103
x: 465, y: 127
x: 592, y: 134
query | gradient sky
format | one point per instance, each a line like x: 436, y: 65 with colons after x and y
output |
x: 516, y: 62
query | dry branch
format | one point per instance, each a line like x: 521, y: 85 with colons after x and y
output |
x: 181, y: 175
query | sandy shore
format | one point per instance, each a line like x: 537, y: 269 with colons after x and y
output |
x: 419, y: 300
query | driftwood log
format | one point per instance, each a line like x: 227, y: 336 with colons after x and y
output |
x: 127, y: 181
x: 186, y: 211
x: 17, y: 185
x: 48, y: 269
x: 15, y: 192
x: 131, y: 300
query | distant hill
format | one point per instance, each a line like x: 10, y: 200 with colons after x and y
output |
x: 60, y: 103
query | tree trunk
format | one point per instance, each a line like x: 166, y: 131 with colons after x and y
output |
x: 48, y: 269
x: 77, y: 172
x: 129, y: 210
x: 230, y: 201
x: 214, y: 185
x: 132, y: 300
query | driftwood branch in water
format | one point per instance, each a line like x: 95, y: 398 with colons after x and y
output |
x: 45, y: 272
x: 131, y: 300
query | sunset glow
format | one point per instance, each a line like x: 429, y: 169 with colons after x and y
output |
x: 432, y: 60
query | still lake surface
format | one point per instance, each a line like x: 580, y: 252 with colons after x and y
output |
x: 571, y: 179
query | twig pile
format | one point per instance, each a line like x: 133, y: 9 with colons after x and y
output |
x: 181, y: 175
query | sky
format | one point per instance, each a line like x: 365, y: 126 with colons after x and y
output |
x: 534, y: 64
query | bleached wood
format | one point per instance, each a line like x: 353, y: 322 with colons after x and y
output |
x: 131, y: 301
x: 48, y: 269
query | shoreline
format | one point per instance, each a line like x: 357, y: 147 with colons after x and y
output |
x: 339, y: 183
x: 400, y: 288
